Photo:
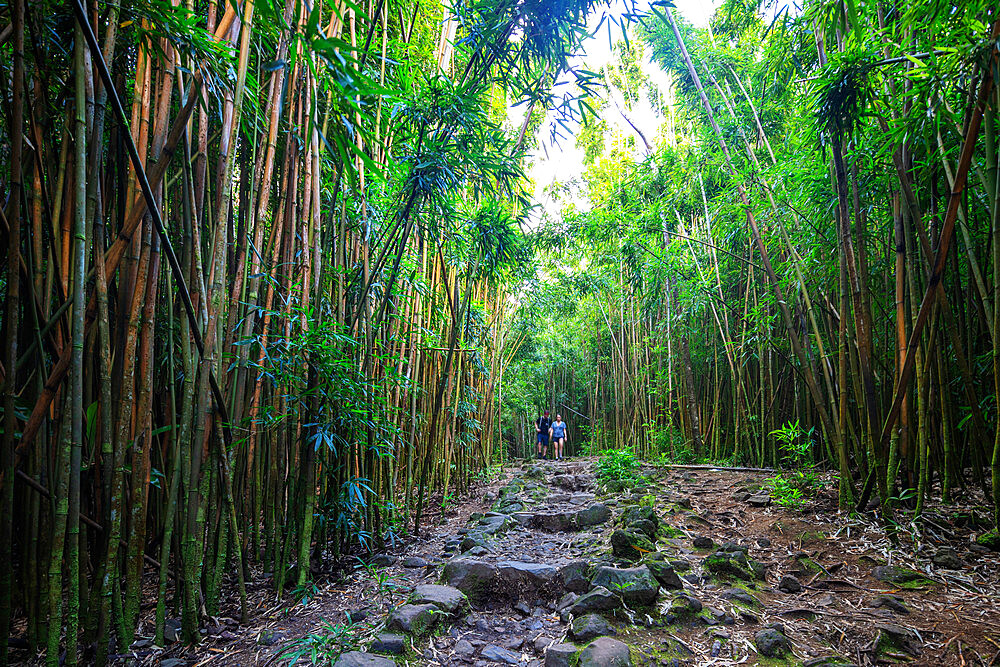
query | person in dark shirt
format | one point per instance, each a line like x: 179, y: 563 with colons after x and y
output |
x: 542, y: 426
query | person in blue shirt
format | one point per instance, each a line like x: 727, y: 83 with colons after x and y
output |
x: 543, y: 426
x: 557, y: 431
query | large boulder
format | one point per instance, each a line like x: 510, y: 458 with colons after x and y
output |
x: 494, y: 524
x: 597, y: 600
x: 605, y: 652
x: 589, y: 627
x: 554, y: 522
x: 497, y: 654
x: 630, y: 545
x: 516, y: 579
x: 417, y: 619
x: 771, y: 644
x: 560, y: 655
x: 663, y: 571
x: 636, y: 585
x: 478, y: 580
x: 733, y: 565
x: 390, y: 643
x: 445, y: 598
x: 594, y: 515
x: 576, y: 576
x: 360, y: 659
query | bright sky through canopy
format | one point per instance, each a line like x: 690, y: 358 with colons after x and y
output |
x: 563, y: 162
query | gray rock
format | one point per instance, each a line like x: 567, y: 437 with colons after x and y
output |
x: 763, y: 542
x: 948, y: 559
x: 589, y: 627
x: 554, y: 522
x: 599, y: 599
x: 759, y: 501
x: 390, y: 643
x: 418, y: 619
x: 517, y: 578
x: 476, y: 552
x: 897, y: 575
x: 685, y: 606
x: 741, y: 596
x: 663, y: 572
x: 445, y: 598
x: 566, y: 601
x: 472, y: 540
x: 771, y: 644
x: 892, y: 603
x: 575, y: 576
x: 560, y: 655
x: 361, y: 659
x: 897, y: 638
x: 173, y: 662
x: 680, y: 566
x: 593, y: 516
x: 636, y: 585
x: 630, y: 545
x: 498, y: 654
x: 732, y: 565
x: 464, y: 648
x: 414, y: 562
x: 478, y: 580
x: 382, y: 560
x: 703, y: 542
x: 172, y: 630
x: 605, y: 652
x: 789, y: 584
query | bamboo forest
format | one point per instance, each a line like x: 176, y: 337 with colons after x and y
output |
x: 518, y: 332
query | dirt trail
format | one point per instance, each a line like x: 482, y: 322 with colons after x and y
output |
x: 684, y: 568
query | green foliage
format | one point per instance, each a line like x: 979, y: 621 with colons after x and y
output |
x: 785, y: 493
x: 617, y: 465
x: 324, y: 646
x: 796, y: 442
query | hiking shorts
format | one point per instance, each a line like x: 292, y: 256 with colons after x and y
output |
x: 543, y: 438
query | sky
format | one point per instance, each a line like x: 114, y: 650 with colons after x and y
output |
x: 563, y: 162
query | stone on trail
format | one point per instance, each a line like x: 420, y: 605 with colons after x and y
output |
x: 892, y: 574
x: 444, y: 598
x: 575, y: 576
x: 759, y: 501
x: 741, y: 596
x: 414, y: 562
x: 473, y: 577
x: 560, y: 655
x: 589, y: 627
x: 685, y: 606
x: 473, y: 540
x: 361, y: 659
x: 594, y: 515
x: 892, y: 603
x: 605, y: 652
x: 771, y: 643
x: 630, y: 545
x: 554, y: 522
x: 897, y: 638
x: 516, y: 578
x: 417, y: 619
x: 599, y: 599
x: 948, y: 559
x: 636, y: 585
x: 702, y: 542
x: 497, y: 654
x: 464, y: 648
x: 390, y: 643
x: 733, y: 565
x: 789, y: 584
x: 663, y: 571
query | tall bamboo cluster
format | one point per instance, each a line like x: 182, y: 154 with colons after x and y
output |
x: 811, y: 253
x: 255, y: 294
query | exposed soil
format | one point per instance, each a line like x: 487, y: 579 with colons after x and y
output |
x: 839, y: 613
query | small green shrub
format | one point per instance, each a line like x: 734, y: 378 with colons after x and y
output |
x: 785, y: 493
x: 617, y: 465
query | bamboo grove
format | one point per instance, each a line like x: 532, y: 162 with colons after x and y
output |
x: 808, y: 252
x: 259, y: 259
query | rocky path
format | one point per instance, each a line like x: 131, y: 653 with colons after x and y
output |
x: 684, y: 568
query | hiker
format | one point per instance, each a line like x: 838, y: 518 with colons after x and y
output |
x: 542, y: 426
x: 558, y: 434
